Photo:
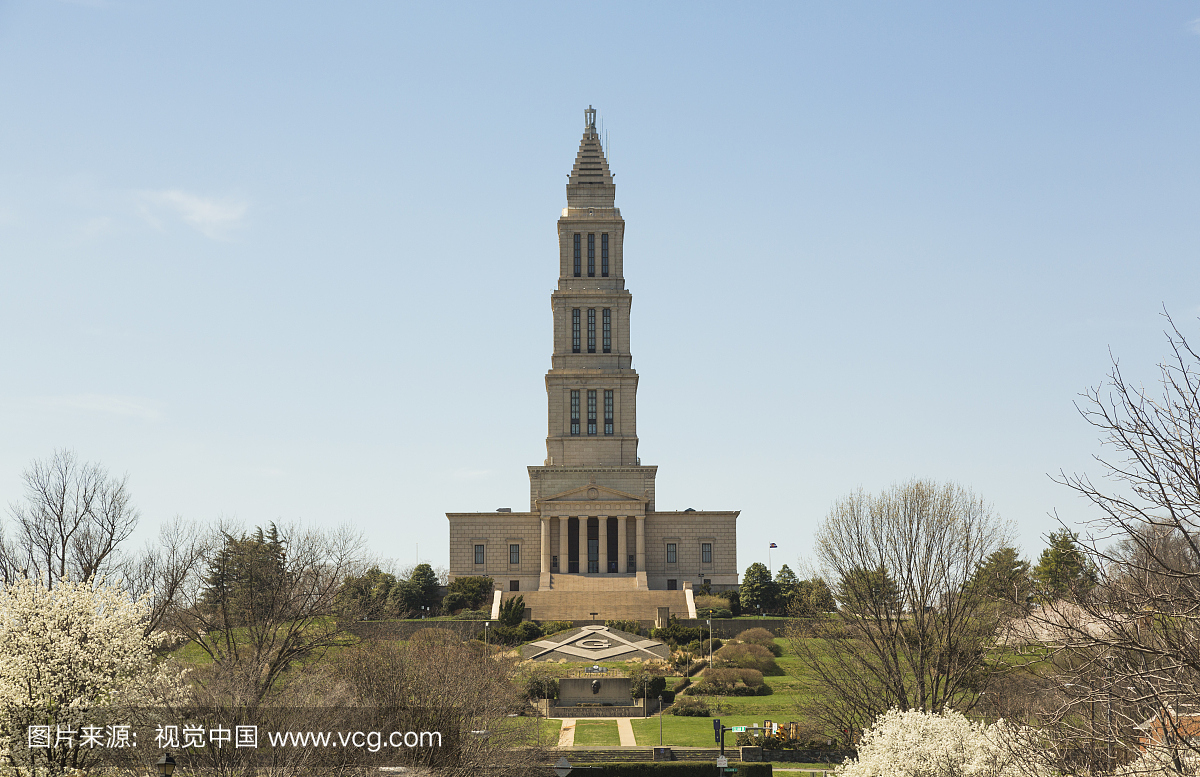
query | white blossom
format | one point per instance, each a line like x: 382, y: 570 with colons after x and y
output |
x: 72, y: 648
x: 922, y: 744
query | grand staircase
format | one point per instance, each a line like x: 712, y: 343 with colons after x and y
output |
x: 611, y: 597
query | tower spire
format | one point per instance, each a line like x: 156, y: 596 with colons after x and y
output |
x: 591, y: 183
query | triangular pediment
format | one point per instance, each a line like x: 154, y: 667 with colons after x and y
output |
x: 593, y: 493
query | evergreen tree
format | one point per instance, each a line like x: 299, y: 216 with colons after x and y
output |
x: 1003, y: 576
x: 245, y: 577
x: 757, y: 592
x: 787, y: 585
x: 869, y: 590
x: 418, y: 591
x: 366, y: 596
x: 812, y: 598
x: 1063, y: 569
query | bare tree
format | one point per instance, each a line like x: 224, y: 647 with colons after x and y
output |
x: 70, y: 524
x: 163, y: 569
x: 267, y: 601
x: 907, y: 632
x: 1128, y: 654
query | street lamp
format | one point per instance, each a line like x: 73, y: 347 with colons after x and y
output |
x: 660, y: 721
x: 166, y: 764
x: 709, y: 643
x: 486, y: 625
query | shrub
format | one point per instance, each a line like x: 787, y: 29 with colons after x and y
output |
x: 512, y: 611
x: 760, y: 636
x: 633, y: 627
x: 733, y: 682
x: 716, y: 645
x: 642, y: 681
x: 511, y: 635
x: 756, y: 634
x: 689, y: 707
x: 718, y: 613
x: 711, y: 603
x: 554, y: 627
x: 735, y: 602
x: 674, y: 634
x: 473, y: 590
x: 540, y: 685
x: 454, y: 601
x: 749, y: 655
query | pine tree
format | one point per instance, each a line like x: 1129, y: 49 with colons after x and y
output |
x: 1063, y: 569
x: 788, y: 586
x: 758, y: 592
x: 1003, y: 576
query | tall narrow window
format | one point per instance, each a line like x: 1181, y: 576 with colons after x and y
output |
x: 604, y: 255
x: 574, y: 412
x: 591, y: 255
x: 608, y: 412
x: 577, y: 257
x: 575, y: 330
x: 514, y: 554
x: 607, y: 323
x: 479, y: 554
x: 706, y: 553
x: 591, y: 330
x: 670, y: 553
x: 591, y: 412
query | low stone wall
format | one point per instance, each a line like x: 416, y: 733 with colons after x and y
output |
x: 596, y: 712
x: 723, y: 628
x: 797, y: 756
x: 405, y: 629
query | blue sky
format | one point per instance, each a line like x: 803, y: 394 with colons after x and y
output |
x: 292, y: 261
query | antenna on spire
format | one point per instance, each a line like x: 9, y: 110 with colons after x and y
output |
x: 589, y: 119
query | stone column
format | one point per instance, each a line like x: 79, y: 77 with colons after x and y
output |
x: 603, y: 544
x: 564, y: 549
x: 641, y: 545
x: 545, y: 545
x: 583, y: 556
x: 622, y: 545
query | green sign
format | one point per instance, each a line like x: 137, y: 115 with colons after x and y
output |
x: 738, y: 729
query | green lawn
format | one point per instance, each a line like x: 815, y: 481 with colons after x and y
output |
x: 596, y: 733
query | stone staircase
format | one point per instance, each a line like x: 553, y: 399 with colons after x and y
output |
x: 615, y: 599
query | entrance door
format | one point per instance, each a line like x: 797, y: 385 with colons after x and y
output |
x: 593, y: 555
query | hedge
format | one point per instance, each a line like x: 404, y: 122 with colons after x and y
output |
x: 668, y: 769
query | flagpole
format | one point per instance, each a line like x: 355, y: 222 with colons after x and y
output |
x: 770, y: 567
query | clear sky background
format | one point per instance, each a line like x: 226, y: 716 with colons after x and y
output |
x: 293, y: 261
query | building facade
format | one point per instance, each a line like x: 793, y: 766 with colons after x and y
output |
x: 592, y: 523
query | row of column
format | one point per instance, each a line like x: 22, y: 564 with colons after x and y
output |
x: 564, y: 542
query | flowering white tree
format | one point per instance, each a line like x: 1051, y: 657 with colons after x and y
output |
x: 922, y: 744
x: 66, y: 651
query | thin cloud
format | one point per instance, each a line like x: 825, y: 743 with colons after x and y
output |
x: 1194, y: 26
x: 107, y: 404
x: 213, y: 217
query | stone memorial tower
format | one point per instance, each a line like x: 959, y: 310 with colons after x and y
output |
x: 592, y: 540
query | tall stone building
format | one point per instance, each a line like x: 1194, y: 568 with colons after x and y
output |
x: 593, y: 540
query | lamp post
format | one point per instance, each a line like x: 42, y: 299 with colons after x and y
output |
x: 645, y: 696
x: 660, y: 721
x: 709, y: 643
x: 486, y: 625
x: 166, y: 764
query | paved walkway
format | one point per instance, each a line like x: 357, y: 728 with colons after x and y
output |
x: 625, y: 729
x: 566, y: 737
